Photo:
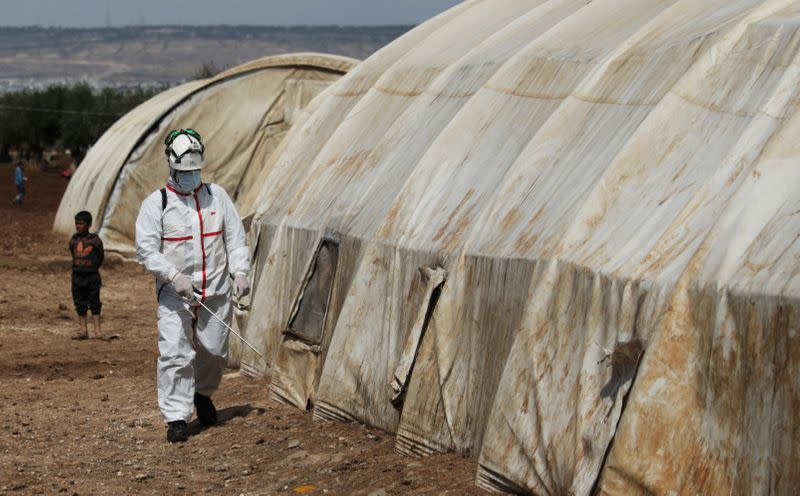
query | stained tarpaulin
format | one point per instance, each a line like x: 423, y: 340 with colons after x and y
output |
x: 243, y: 114
x: 609, y: 188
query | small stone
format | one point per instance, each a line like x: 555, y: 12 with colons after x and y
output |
x: 221, y: 468
x: 294, y: 443
x: 119, y: 473
x: 261, y: 441
x: 378, y: 492
x: 236, y: 446
x: 141, y: 477
x: 298, y: 455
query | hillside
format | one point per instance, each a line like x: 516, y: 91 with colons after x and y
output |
x: 163, y: 55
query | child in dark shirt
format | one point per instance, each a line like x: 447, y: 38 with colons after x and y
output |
x: 87, y: 257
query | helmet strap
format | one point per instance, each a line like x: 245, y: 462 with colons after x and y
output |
x: 173, y: 174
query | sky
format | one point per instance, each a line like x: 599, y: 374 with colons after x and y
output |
x: 115, y: 13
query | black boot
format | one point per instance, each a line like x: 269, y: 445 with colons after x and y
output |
x: 177, y: 432
x: 206, y: 413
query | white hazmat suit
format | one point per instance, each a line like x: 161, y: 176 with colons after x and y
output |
x: 198, y: 234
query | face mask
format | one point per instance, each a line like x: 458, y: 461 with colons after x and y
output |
x: 187, y: 181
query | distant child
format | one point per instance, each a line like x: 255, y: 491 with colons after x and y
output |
x: 19, y: 183
x: 87, y: 257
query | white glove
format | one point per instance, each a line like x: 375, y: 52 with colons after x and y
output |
x: 241, y: 286
x: 183, y: 286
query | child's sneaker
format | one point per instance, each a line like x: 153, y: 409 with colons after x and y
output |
x: 177, y: 431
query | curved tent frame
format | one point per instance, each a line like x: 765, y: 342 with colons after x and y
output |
x: 556, y: 235
x: 243, y: 113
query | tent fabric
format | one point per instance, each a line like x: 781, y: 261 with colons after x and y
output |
x: 607, y: 186
x: 288, y: 168
x: 242, y: 113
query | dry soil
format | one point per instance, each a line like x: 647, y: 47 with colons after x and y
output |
x: 80, y: 417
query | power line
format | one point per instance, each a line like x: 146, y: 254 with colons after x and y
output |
x: 57, y: 111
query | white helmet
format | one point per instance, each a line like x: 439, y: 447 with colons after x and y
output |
x: 184, y: 150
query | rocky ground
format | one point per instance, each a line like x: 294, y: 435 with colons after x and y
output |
x: 80, y: 417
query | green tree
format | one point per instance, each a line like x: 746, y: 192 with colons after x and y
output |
x: 73, y: 116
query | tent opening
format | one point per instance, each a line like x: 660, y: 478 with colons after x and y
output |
x: 433, y: 281
x: 307, y: 320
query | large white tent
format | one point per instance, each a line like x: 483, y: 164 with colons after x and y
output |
x: 554, y: 235
x: 243, y: 113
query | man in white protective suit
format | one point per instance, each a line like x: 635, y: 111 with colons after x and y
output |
x: 191, y: 238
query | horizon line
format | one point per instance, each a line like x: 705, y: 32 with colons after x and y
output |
x: 279, y: 26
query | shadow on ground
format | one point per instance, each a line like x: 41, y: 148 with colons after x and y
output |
x: 225, y: 415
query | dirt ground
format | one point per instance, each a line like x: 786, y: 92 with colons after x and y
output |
x: 80, y: 417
